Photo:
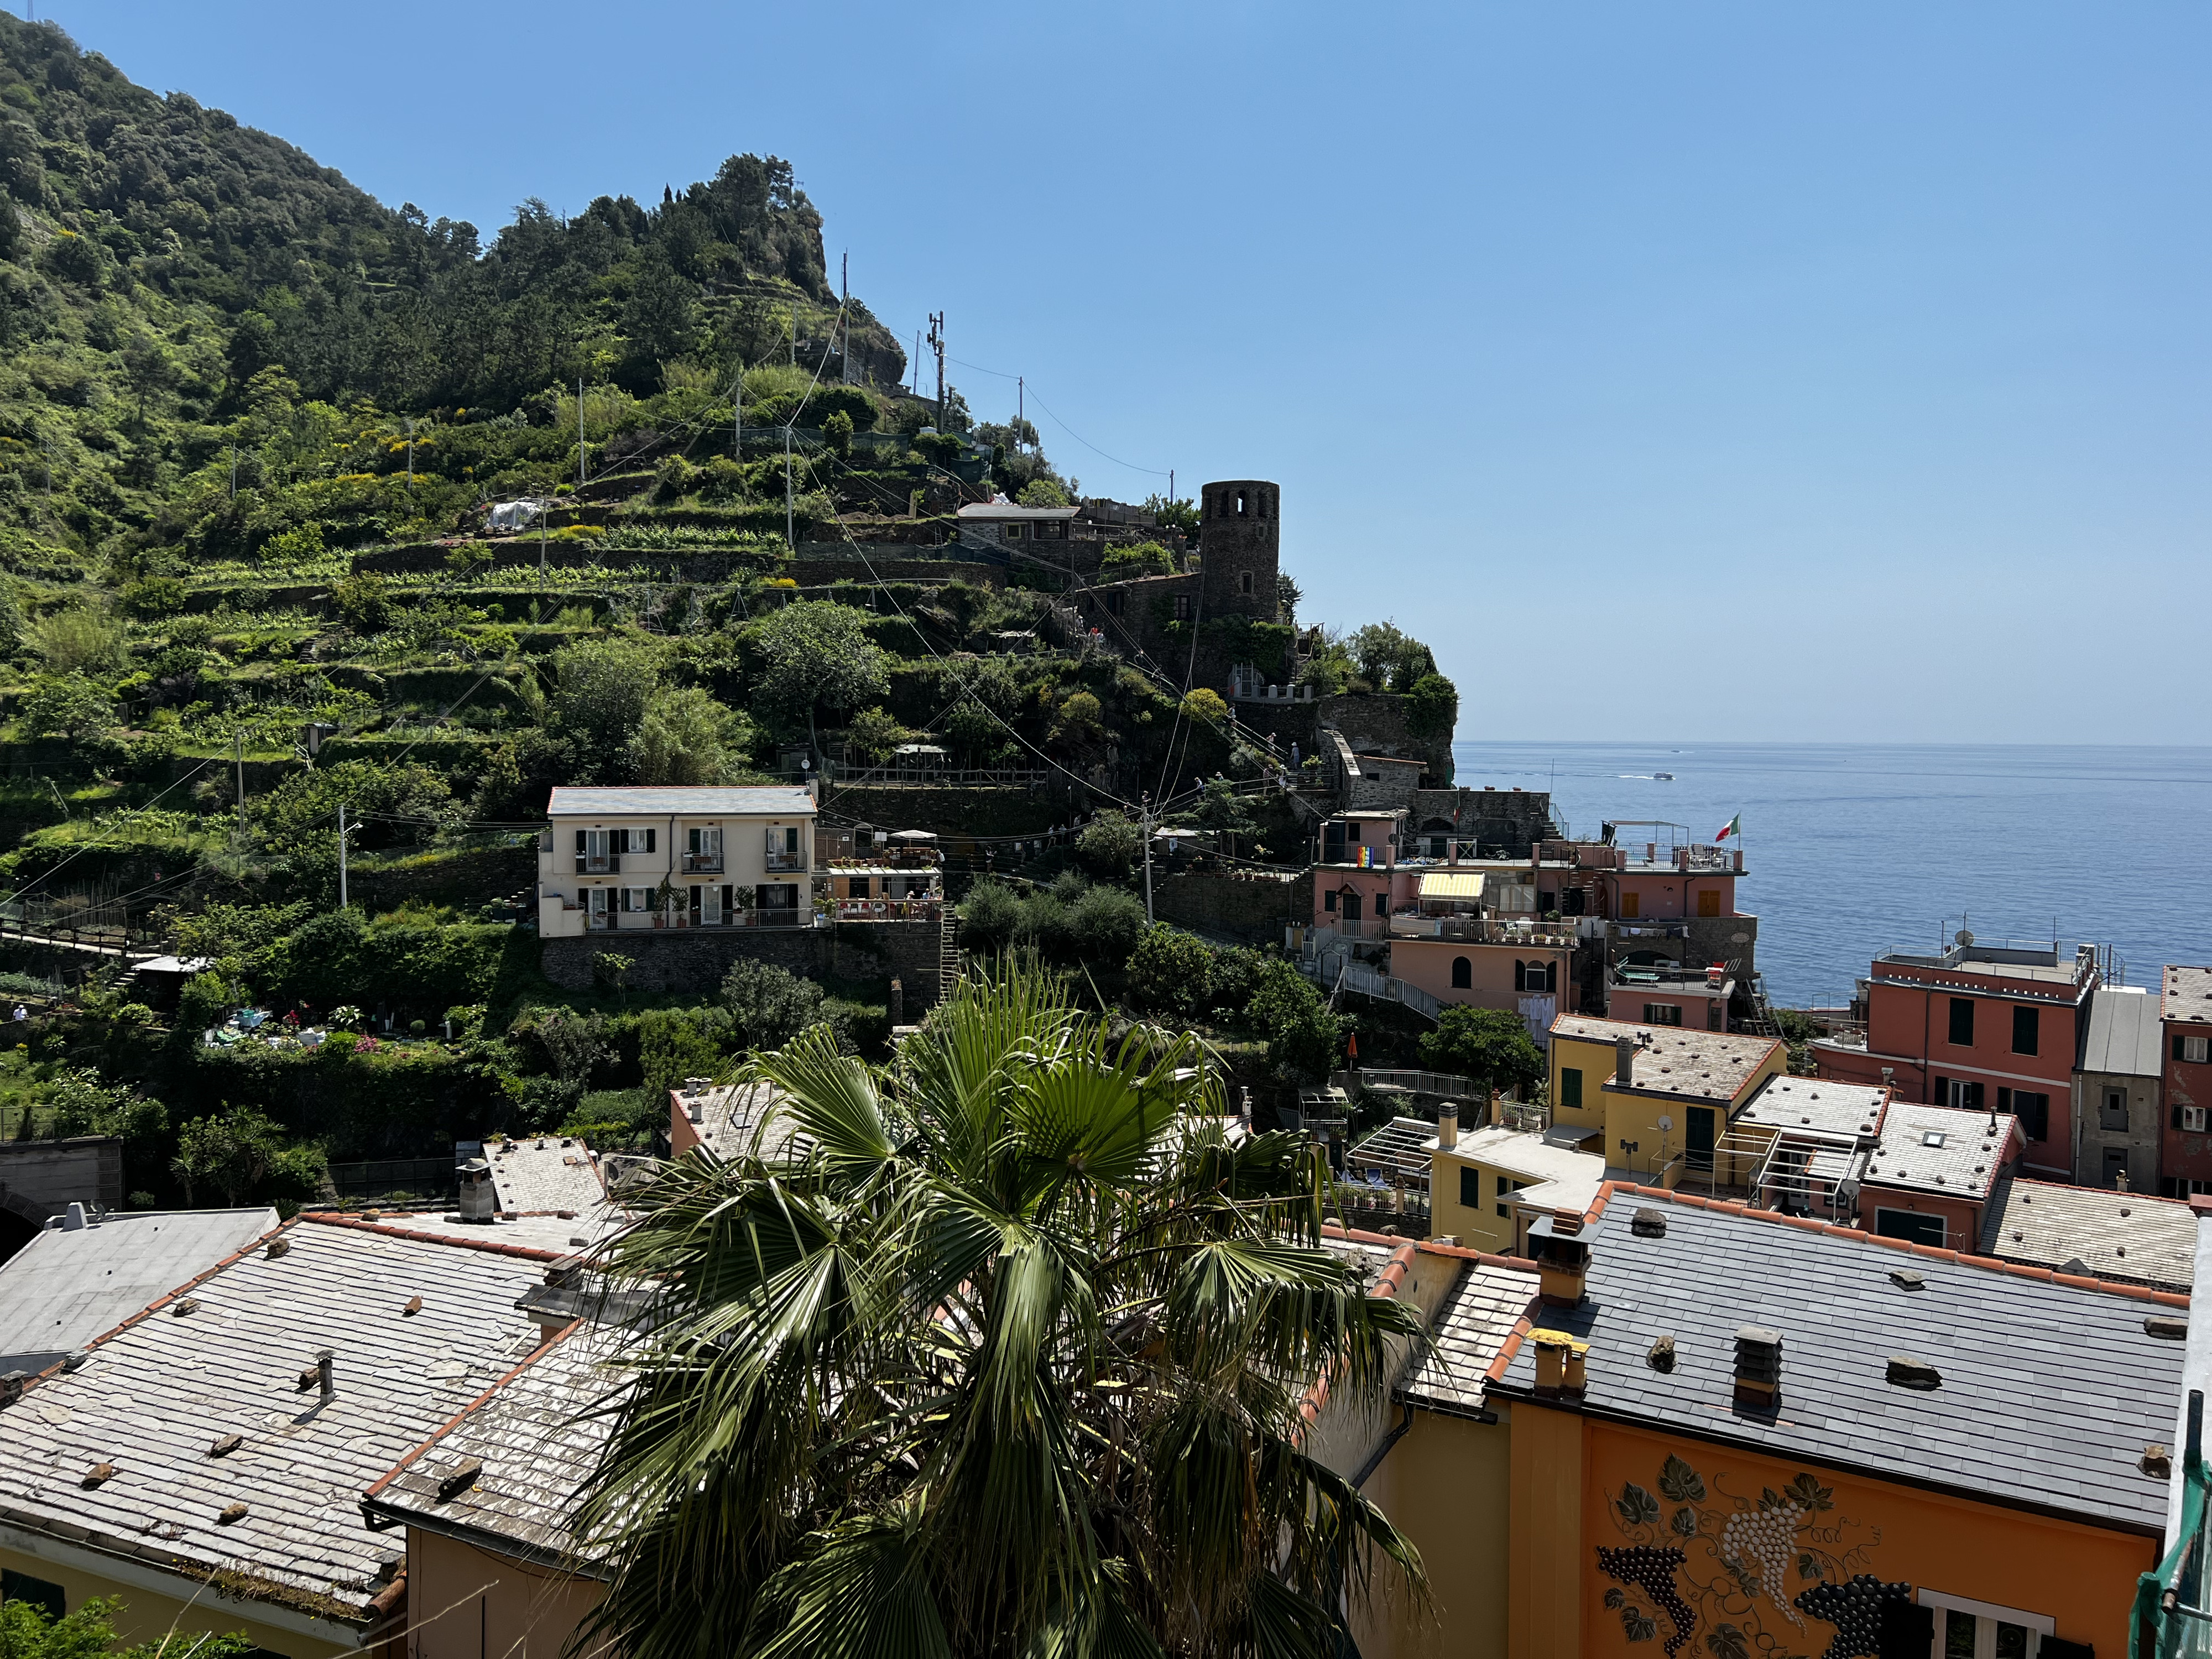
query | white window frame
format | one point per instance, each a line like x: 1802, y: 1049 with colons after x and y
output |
x: 710, y: 903
x: 2195, y: 1050
x: 638, y: 901
x: 1987, y: 1616
x: 2192, y: 1119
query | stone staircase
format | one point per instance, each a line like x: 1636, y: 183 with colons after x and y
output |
x: 948, y: 952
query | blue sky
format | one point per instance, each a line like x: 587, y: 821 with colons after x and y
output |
x: 1678, y: 370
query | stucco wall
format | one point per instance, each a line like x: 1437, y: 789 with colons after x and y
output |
x: 470, y: 1603
x: 1444, y: 1487
x: 149, y: 1614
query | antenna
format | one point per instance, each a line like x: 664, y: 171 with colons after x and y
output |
x: 937, y: 344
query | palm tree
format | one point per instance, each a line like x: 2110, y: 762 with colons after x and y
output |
x: 998, y: 1349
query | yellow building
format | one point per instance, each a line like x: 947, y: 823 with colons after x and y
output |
x: 1658, y: 1100
x: 1487, y: 1184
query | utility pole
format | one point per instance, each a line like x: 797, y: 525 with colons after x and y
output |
x: 937, y: 344
x: 914, y: 365
x: 738, y: 417
x: 1021, y: 408
x: 234, y: 474
x: 794, y: 334
x: 342, y: 857
x: 845, y: 319
x: 1144, y: 829
x: 238, y: 743
x: 580, y: 439
x: 790, y: 539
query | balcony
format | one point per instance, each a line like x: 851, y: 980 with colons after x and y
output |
x: 599, y: 864
x: 1666, y: 977
x: 897, y: 910
x: 784, y: 862
x: 705, y: 864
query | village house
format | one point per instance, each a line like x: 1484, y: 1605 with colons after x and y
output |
x: 1978, y: 1027
x: 635, y: 859
x: 1658, y: 1100
x: 2184, y: 1015
x: 2131, y: 1238
x: 1933, y: 1170
x: 2118, y: 1128
x: 204, y: 1461
x: 1721, y: 1429
x: 1489, y: 1183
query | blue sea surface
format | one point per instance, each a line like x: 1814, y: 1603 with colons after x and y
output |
x: 1852, y: 849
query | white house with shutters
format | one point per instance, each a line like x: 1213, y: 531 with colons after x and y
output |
x: 618, y: 860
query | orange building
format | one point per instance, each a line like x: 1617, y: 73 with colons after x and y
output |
x: 1716, y: 1432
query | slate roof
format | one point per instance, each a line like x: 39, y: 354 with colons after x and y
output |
x: 2049, y: 1391
x: 1976, y: 1148
x: 727, y: 1117
x: 1699, y: 1065
x: 153, y: 1398
x: 69, y: 1284
x: 545, y: 1173
x: 2185, y: 993
x: 2122, y: 1038
x: 1817, y: 1104
x: 2130, y: 1236
x: 763, y: 800
x: 536, y: 1437
x: 1470, y: 1327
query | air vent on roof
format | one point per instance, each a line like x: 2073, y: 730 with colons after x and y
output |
x: 1661, y: 1356
x: 98, y: 1473
x: 190, y: 1305
x: 1905, y: 1280
x: 2167, y: 1326
x: 1649, y: 1223
x: 1908, y: 1372
x: 2157, y: 1462
x: 232, y: 1516
x: 458, y: 1477
x: 279, y: 1247
x: 1758, y: 1366
x: 225, y: 1444
x: 414, y: 1306
x: 387, y: 1567
x: 12, y: 1387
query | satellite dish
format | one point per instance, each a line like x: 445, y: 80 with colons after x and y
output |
x: 1665, y: 1124
x: 1962, y: 937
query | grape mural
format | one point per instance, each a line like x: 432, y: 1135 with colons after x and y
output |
x: 1750, y: 1574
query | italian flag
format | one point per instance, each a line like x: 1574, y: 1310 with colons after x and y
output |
x: 1732, y: 827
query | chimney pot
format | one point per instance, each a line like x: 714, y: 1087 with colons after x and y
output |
x: 326, y: 1373
x: 12, y: 1386
x: 1758, y: 1367
x: 1908, y: 1372
x: 1624, y: 1067
x: 1448, y: 1124
x: 1649, y: 1223
x: 1560, y: 1362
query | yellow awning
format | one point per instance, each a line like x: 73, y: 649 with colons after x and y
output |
x: 1451, y: 884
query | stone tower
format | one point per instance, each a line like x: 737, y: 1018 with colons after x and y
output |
x: 1239, y: 536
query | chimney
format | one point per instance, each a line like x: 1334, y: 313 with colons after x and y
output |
x: 327, y: 1382
x: 1888, y: 1077
x: 1623, y: 1061
x: 478, y: 1201
x: 1758, y: 1368
x: 73, y: 1220
x: 1562, y: 1255
x: 1448, y: 1124
x: 1561, y: 1361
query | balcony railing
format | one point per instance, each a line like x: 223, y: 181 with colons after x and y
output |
x: 787, y: 861
x: 901, y: 909
x: 1484, y: 930
x: 599, y: 864
x: 704, y: 864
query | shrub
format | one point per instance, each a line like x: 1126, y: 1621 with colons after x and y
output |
x: 1432, y: 707
x: 1206, y: 706
x: 364, y: 601
x: 69, y: 704
x: 1110, y: 845
x: 300, y: 542
x: 1104, y: 924
x: 1136, y: 559
x: 768, y: 1006
x: 1486, y: 1044
x: 1042, y: 492
x: 1169, y: 972
x: 989, y: 917
x: 77, y: 641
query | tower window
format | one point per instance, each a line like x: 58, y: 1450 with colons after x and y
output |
x: 1240, y: 503
x: 1245, y: 582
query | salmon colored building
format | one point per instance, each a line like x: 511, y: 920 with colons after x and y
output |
x: 1980, y: 1027
x: 1714, y: 1432
x: 2185, y: 1018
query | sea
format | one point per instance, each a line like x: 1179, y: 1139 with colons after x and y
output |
x: 1853, y: 849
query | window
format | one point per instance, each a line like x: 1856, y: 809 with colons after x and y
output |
x: 2033, y: 1109
x: 1113, y: 604
x: 1462, y: 973
x: 2113, y: 1113
x: 1962, y: 1022
x: 2025, y: 1022
x: 1012, y: 532
x: 1571, y: 1088
x: 2190, y: 1120
x: 638, y: 898
x: 1328, y: 901
x: 1957, y: 1091
x: 707, y: 906
x: 596, y: 898
x: 2195, y: 1050
x: 782, y: 848
x: 634, y: 841
x: 1470, y: 1188
x: 1905, y: 1224
x: 596, y: 852
x: 1245, y: 582
x: 22, y: 1587
x: 1933, y: 1139
x: 702, y: 847
x: 1964, y: 1629
x: 1505, y: 1187
x: 1630, y: 905
x: 1182, y: 607
x: 1662, y: 1014
x: 1708, y: 904
x: 1350, y: 905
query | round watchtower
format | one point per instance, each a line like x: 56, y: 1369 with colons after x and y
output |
x: 1239, y: 541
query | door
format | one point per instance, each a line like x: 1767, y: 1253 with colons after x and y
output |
x: 1348, y: 908
x: 1708, y: 904
x: 2116, y: 1166
x: 1700, y: 1147
x: 597, y: 898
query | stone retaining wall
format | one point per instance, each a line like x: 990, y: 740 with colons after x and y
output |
x: 692, y: 961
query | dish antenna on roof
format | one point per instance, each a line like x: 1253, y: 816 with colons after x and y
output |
x: 1964, y: 936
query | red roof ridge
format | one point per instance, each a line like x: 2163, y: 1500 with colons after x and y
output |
x: 1964, y: 1259
x: 456, y: 1420
x: 526, y: 1252
x: 1431, y: 1247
